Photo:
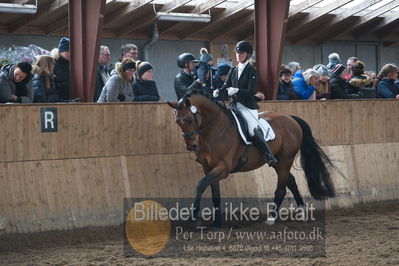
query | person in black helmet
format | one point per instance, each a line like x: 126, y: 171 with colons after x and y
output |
x: 185, y: 80
x: 241, y: 86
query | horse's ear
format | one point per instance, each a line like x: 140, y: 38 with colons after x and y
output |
x: 187, y: 102
x: 173, y: 105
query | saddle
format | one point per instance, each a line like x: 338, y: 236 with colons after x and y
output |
x: 242, y: 126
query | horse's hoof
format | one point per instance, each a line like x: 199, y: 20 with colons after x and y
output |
x: 271, y: 220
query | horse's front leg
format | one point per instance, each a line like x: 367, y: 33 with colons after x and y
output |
x: 216, y: 203
x: 212, y: 177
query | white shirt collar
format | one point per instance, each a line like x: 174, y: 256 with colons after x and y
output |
x: 242, y: 65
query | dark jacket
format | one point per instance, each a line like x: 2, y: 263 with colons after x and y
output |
x: 246, y: 86
x: 185, y: 82
x: 99, y: 82
x: 43, y: 94
x: 145, y: 91
x: 357, y: 82
x: 61, y: 72
x: 303, y: 90
x: 23, y: 90
x: 339, y: 88
x: 387, y: 89
x: 286, y: 91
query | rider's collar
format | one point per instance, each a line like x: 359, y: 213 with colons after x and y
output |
x: 243, y: 65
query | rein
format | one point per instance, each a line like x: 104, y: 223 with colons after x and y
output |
x: 197, y: 130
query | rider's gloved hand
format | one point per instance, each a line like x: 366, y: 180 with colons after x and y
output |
x: 215, y: 93
x: 231, y: 91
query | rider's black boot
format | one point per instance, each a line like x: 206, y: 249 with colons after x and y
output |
x: 260, y: 142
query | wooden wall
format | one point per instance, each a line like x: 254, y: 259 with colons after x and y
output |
x: 104, y: 152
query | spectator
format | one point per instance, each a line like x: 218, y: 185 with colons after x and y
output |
x: 286, y: 90
x: 373, y: 78
x: 305, y: 84
x: 145, y: 88
x: 129, y: 50
x: 102, y: 75
x: 119, y: 86
x: 16, y: 83
x: 205, y: 71
x: 349, y: 63
x: 44, y: 89
x: 221, y: 75
x: 295, y: 67
x: 61, y: 69
x: 387, y: 84
x: 333, y: 60
x: 358, y: 79
x: 185, y: 80
x: 338, y: 82
x: 323, y: 87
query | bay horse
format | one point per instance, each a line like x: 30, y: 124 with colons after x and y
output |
x: 213, y: 136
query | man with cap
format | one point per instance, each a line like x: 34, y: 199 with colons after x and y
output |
x: 333, y: 60
x: 185, y: 80
x: 145, y: 88
x: 61, y: 69
x: 241, y: 86
x: 338, y: 82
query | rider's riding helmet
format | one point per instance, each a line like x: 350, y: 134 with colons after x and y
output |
x: 184, y: 58
x: 244, y: 46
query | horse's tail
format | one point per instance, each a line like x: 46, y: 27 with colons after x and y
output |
x: 314, y: 163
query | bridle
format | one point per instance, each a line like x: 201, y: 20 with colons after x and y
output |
x: 193, y: 110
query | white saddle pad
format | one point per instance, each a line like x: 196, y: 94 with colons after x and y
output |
x: 268, y: 132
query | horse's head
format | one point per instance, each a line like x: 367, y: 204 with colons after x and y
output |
x: 189, y: 120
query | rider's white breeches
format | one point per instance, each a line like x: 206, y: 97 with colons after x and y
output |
x: 250, y: 115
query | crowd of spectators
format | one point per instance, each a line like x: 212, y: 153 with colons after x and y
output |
x: 48, y: 79
x: 335, y: 81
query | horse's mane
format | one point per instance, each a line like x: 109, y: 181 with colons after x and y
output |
x: 202, y: 93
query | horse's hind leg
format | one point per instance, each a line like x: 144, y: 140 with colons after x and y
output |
x: 291, y: 184
x: 280, y: 192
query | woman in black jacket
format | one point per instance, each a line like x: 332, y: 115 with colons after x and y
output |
x: 241, y: 86
x: 145, y: 89
x: 44, y: 89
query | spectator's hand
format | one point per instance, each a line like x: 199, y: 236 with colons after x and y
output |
x: 121, y: 97
x: 397, y: 97
x: 260, y: 95
x: 215, y: 93
x: 231, y: 91
x: 14, y: 97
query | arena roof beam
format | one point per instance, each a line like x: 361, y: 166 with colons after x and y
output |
x: 168, y: 7
x: 388, y: 20
x: 233, y: 26
x: 340, y: 18
x: 42, y: 11
x: 389, y: 29
x: 230, y: 11
x: 57, y: 25
x: 205, y: 6
x: 302, y: 6
x: 311, y: 18
x: 362, y: 20
x: 123, y: 12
